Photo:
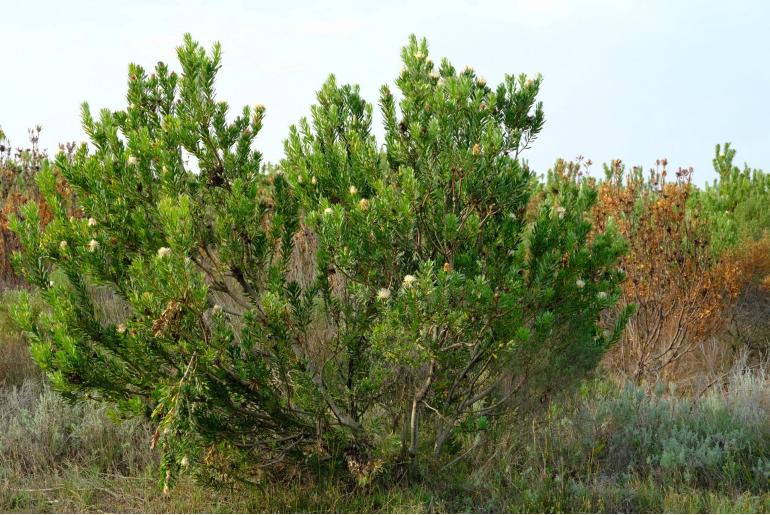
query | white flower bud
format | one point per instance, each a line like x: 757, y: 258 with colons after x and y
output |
x: 121, y: 328
x: 409, y: 280
x: 580, y: 283
x: 164, y: 252
x: 185, y: 462
x: 313, y: 180
x: 383, y: 294
x: 353, y: 190
x: 481, y: 81
x: 328, y: 211
x: 132, y: 160
x: 63, y: 245
x: 93, y: 245
x: 601, y: 295
x: 363, y: 204
x: 561, y: 210
x: 91, y: 222
x: 216, y: 310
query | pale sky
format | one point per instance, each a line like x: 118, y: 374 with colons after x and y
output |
x: 636, y: 80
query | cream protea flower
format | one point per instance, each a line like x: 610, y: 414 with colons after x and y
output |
x: 163, y: 252
x: 91, y: 222
x: 530, y: 82
x: 185, y: 462
x: 383, y: 294
x: 441, y: 82
x: 580, y: 283
x: 419, y: 55
x: 328, y: 211
x: 93, y: 245
x: 469, y: 69
x: 601, y: 295
x: 217, y: 309
x: 435, y: 74
x: 561, y: 210
x: 121, y: 328
x: 353, y: 190
x: 409, y: 280
x: 403, y: 68
x: 481, y: 81
x: 313, y: 180
x: 259, y: 107
x: 132, y: 160
x: 363, y: 204
x: 476, y: 149
x: 299, y: 179
x: 63, y: 245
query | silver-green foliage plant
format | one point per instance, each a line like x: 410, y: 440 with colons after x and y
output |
x: 369, y: 306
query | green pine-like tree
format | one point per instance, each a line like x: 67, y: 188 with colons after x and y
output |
x: 734, y: 204
x: 366, y: 306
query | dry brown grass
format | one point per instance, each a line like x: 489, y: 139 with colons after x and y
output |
x: 15, y: 361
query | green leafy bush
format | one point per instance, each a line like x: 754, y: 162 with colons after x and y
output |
x: 369, y: 306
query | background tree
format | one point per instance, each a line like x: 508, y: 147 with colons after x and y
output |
x: 735, y: 208
x: 735, y: 204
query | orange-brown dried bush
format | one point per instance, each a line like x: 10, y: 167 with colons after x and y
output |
x: 17, y: 187
x: 682, y: 289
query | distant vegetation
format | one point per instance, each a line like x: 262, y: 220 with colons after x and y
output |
x: 418, y: 324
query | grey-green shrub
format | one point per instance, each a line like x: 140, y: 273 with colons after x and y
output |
x: 40, y: 432
x: 720, y: 440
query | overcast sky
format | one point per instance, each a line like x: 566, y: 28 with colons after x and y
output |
x: 636, y: 80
